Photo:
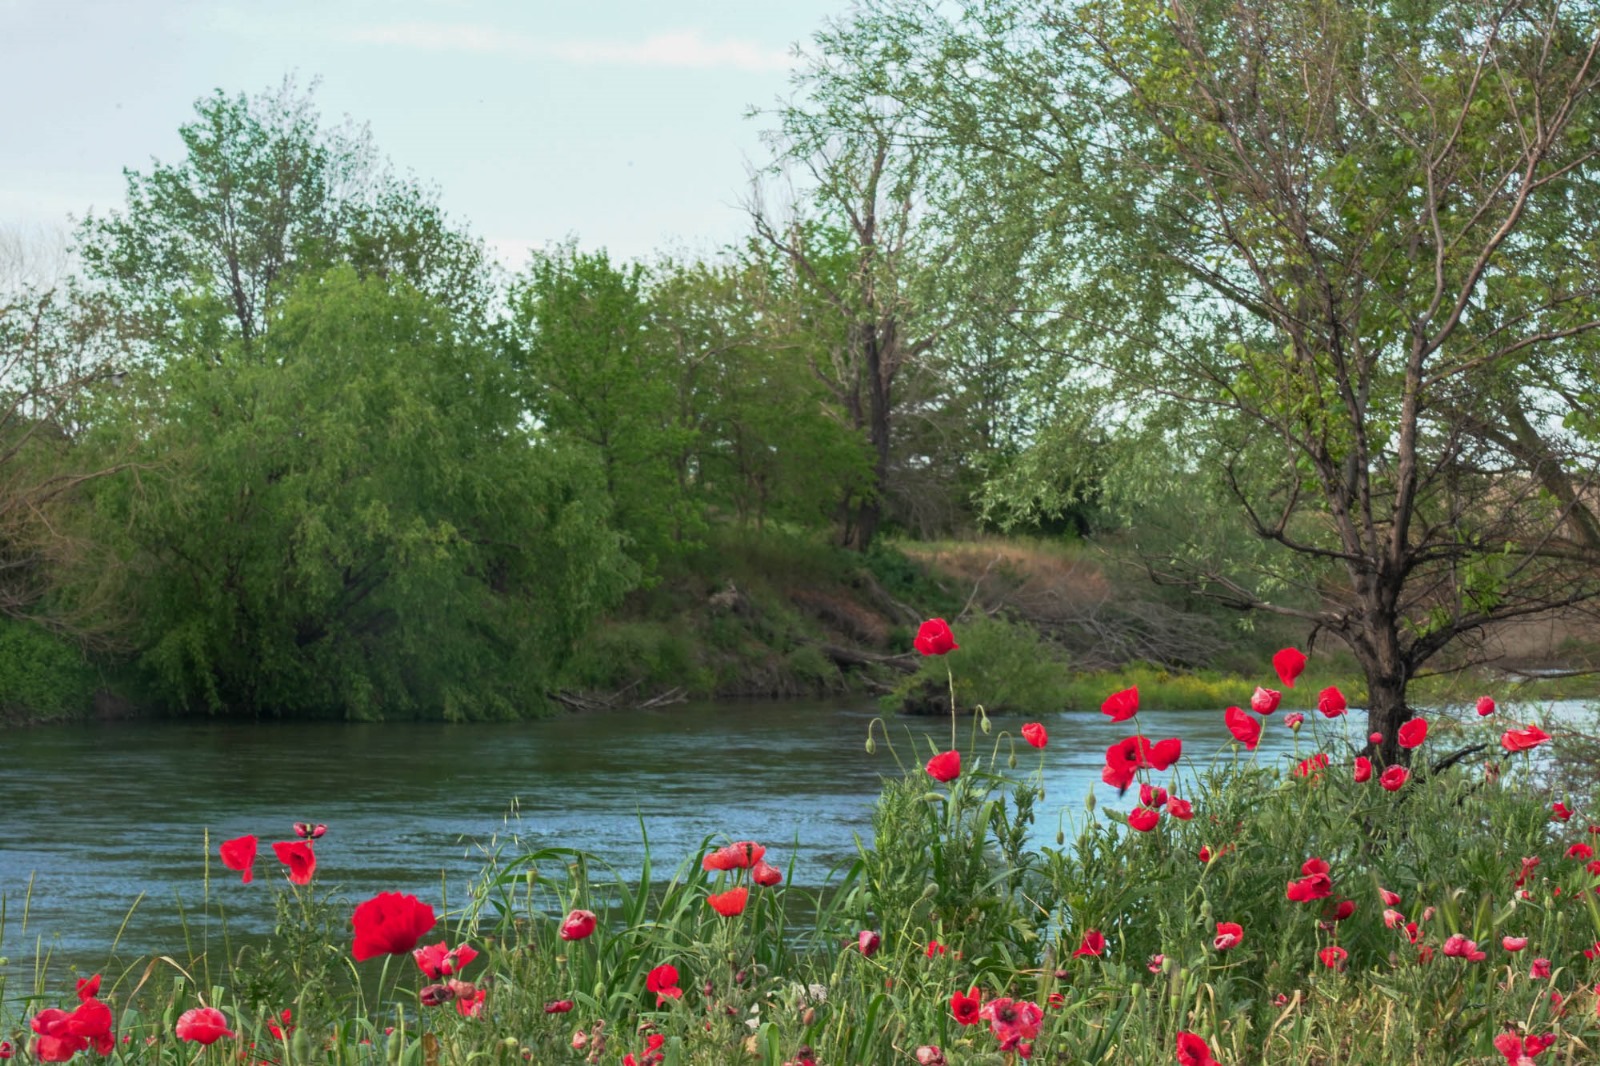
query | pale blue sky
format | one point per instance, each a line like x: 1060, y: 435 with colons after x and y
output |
x: 617, y: 121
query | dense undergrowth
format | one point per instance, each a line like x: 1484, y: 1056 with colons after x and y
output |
x: 1316, y: 912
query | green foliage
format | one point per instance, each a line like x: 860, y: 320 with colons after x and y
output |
x: 348, y: 519
x: 42, y: 676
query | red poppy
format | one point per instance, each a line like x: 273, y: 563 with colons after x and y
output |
x: 934, y: 638
x: 1559, y: 810
x: 5, y: 1049
x: 1288, y: 663
x: 1457, y: 946
x: 935, y: 948
x: 1294, y: 721
x: 1331, y: 702
x: 1121, y: 706
x: 1413, y: 733
x: 1152, y: 795
x: 765, y: 874
x: 307, y: 831
x: 1245, y: 730
x: 1516, y: 1049
x: 577, y: 925
x: 558, y: 1006
x: 1374, y: 738
x: 945, y: 766
x: 469, y: 1000
x: 240, y: 854
x: 1205, y: 853
x: 203, y: 1025
x: 740, y: 855
x: 1229, y: 935
x: 729, y: 903
x: 297, y: 856
x: 1515, y: 740
x: 1265, y: 700
x: 1163, y: 753
x: 1540, y: 970
x: 1580, y: 851
x: 663, y: 981
x: 1316, y: 884
x: 278, y: 1028
x: 1513, y: 943
x: 1179, y: 808
x: 88, y: 988
x: 1394, y: 778
x: 1333, y: 957
x: 1390, y: 899
x: 390, y: 923
x: 1363, y: 771
x: 435, y: 995
x: 1485, y: 706
x: 1338, y: 912
x: 1094, y: 943
x: 1143, y: 819
x: 439, y: 960
x: 1309, y: 767
x: 62, y: 1035
x: 964, y: 1007
x: 1193, y: 1051
x: 1035, y: 734
x: 868, y: 942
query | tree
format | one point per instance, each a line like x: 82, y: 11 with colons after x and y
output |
x: 347, y: 517
x: 1338, y: 257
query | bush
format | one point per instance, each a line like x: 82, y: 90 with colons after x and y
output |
x: 1002, y: 666
x: 42, y: 676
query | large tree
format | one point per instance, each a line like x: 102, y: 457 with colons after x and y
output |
x: 1339, y: 258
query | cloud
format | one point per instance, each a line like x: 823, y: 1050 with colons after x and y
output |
x: 684, y: 49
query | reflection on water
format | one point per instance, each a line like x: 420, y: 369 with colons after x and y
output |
x: 98, y: 817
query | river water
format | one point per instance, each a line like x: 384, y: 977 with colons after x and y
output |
x: 107, y: 828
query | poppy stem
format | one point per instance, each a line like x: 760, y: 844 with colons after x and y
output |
x: 952, y: 679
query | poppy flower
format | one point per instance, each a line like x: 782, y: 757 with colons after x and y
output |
x: 1457, y: 946
x: 1179, y: 809
x: 765, y: 874
x: 1513, y: 943
x: 1580, y: 851
x: 1375, y: 738
x: 1152, y: 795
x: 935, y: 948
x: 1485, y: 706
x: 1363, y: 770
x: 1294, y: 721
x: 62, y: 1035
x: 1035, y: 734
x: 1514, y: 740
x: 1155, y: 962
x: 1518, y: 1050
x: 390, y: 923
x: 469, y: 1001
x: 1394, y: 778
x: 740, y: 855
x: 435, y: 995
x: 1316, y: 884
x: 307, y: 831
x: 280, y: 1027
x: 1331, y: 702
x: 1559, y: 810
x: 1120, y: 706
x: 1012, y: 1021
x: 1056, y: 1000
x: 5, y: 1049
x: 729, y: 903
x: 945, y: 766
x: 1338, y: 912
x: 240, y: 854
x: 439, y: 960
x: 663, y: 981
x: 1333, y: 957
x: 964, y: 1006
x: 1205, y: 855
x: 1309, y: 767
x: 88, y: 988
x: 1143, y: 819
x: 297, y: 856
x: 203, y: 1025
x: 1288, y: 663
x: 1265, y: 700
x: 1413, y: 733
x: 558, y: 1006
x: 1229, y: 935
x: 577, y: 925
x: 1392, y: 918
x: 1390, y: 899
x: 1540, y: 970
x: 868, y: 942
x: 1163, y: 753
x: 1193, y: 1051
x: 934, y: 638
x: 1245, y: 730
x: 1094, y: 943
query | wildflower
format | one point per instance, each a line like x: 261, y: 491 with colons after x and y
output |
x: 558, y: 1006
x: 1309, y: 767
x: 765, y: 874
x: 663, y: 981
x: 307, y: 831
x: 1393, y: 918
x: 469, y: 1000
x: 1513, y: 943
x: 1179, y: 808
x: 1035, y: 734
x: 240, y: 854
x: 1390, y: 899
x: 1363, y: 771
x: 1394, y: 778
x: 1245, y: 730
x: 1338, y: 912
x: 1288, y: 663
x: 1120, y: 706
x: 1539, y: 970
x: 1528, y: 865
x: 1580, y: 851
x: 435, y: 995
x: 577, y: 925
x: 1205, y: 853
x: 280, y: 1027
x: 1012, y: 1022
x: 1056, y: 1001
x: 1094, y: 943
x: 1294, y: 721
x: 935, y: 948
x: 88, y: 988
x: 438, y: 961
x: 1331, y: 702
x: 934, y: 638
x: 1265, y: 700
x: 1413, y: 733
x: 203, y: 1025
x: 1152, y: 796
x: 1374, y: 738
x: 1560, y: 811
x: 1459, y: 947
x: 1520, y: 1051
x: 1316, y: 884
x: 1229, y: 935
x: 62, y: 1035
x: 1155, y: 963
x: 729, y: 903
x: 945, y: 766
x: 1193, y: 1051
x: 1333, y: 957
x: 1514, y: 740
x: 965, y: 1007
x: 580, y: 1040
x: 6, y: 1051
x: 389, y: 923
x: 1143, y: 819
x: 930, y: 1055
x: 1163, y: 753
x: 1485, y: 706
x: 740, y: 855
x: 297, y: 856
x: 868, y: 942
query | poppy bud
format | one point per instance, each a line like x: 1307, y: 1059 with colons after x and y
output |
x: 983, y: 721
x: 809, y: 1017
x: 435, y: 995
x: 1089, y: 801
x: 872, y: 745
x: 1061, y: 838
x: 1011, y: 760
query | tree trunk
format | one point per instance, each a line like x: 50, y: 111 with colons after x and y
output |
x: 1387, y: 671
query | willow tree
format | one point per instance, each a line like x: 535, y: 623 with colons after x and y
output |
x: 1337, y: 257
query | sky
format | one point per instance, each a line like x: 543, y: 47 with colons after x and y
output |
x: 620, y: 123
